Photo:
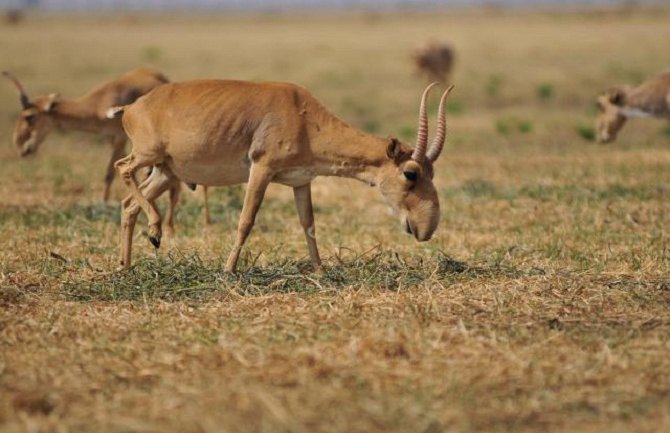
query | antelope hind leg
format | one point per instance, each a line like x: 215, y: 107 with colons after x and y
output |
x: 152, y: 188
x: 126, y: 167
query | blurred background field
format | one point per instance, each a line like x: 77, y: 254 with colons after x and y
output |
x: 541, y: 303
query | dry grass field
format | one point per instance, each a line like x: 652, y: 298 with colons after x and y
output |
x: 542, y: 303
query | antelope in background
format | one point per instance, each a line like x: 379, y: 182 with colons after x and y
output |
x: 220, y: 132
x: 40, y: 115
x: 87, y: 113
x: 13, y: 17
x: 435, y: 60
x: 649, y: 99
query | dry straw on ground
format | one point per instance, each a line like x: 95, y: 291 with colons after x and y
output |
x: 541, y: 304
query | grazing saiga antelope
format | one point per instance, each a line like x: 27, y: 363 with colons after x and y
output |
x: 86, y: 113
x: 435, y: 60
x: 216, y: 132
x: 649, y: 99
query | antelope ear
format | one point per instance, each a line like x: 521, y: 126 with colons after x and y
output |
x: 51, y: 102
x: 393, y: 148
x: 616, y: 96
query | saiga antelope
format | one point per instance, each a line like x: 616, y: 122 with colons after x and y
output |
x: 215, y: 132
x: 435, y: 60
x: 87, y: 113
x: 14, y: 16
x: 649, y: 99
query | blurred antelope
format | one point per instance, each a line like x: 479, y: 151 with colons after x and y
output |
x: 214, y: 132
x: 41, y: 114
x: 649, y: 99
x: 13, y: 16
x: 435, y: 60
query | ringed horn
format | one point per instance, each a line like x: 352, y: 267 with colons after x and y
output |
x: 25, y: 101
x: 422, y: 134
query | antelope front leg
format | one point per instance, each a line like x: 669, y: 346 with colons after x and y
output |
x: 259, y: 178
x: 152, y: 188
x: 303, y: 202
x: 118, y: 148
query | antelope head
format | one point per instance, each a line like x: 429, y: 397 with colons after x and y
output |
x: 34, y: 121
x: 610, y: 117
x: 406, y: 180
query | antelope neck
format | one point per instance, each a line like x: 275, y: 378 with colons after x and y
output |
x: 344, y: 151
x: 76, y: 115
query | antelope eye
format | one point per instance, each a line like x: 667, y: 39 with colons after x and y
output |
x: 30, y: 119
x: 411, y: 175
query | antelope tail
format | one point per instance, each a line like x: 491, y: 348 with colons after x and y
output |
x: 115, y: 112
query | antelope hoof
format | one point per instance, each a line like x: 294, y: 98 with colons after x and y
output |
x: 155, y: 241
x: 155, y: 236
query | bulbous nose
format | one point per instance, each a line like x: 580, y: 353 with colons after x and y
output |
x: 423, y: 237
x: 411, y: 229
x: 603, y: 138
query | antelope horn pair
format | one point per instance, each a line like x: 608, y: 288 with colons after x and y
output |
x: 436, y: 146
x: 23, y: 96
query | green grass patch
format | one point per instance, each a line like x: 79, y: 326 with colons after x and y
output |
x: 525, y: 126
x: 48, y: 216
x: 504, y: 127
x: 493, y: 86
x: 407, y: 133
x: 508, y: 125
x: 544, y: 91
x: 151, y: 54
x: 484, y: 189
x: 182, y: 277
x: 587, y: 132
x: 455, y: 106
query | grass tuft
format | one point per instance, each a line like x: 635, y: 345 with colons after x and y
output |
x: 408, y: 132
x: 188, y: 277
x: 494, y: 85
x: 508, y: 125
x: 455, y: 106
x: 544, y: 91
x: 587, y: 132
x: 151, y: 54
